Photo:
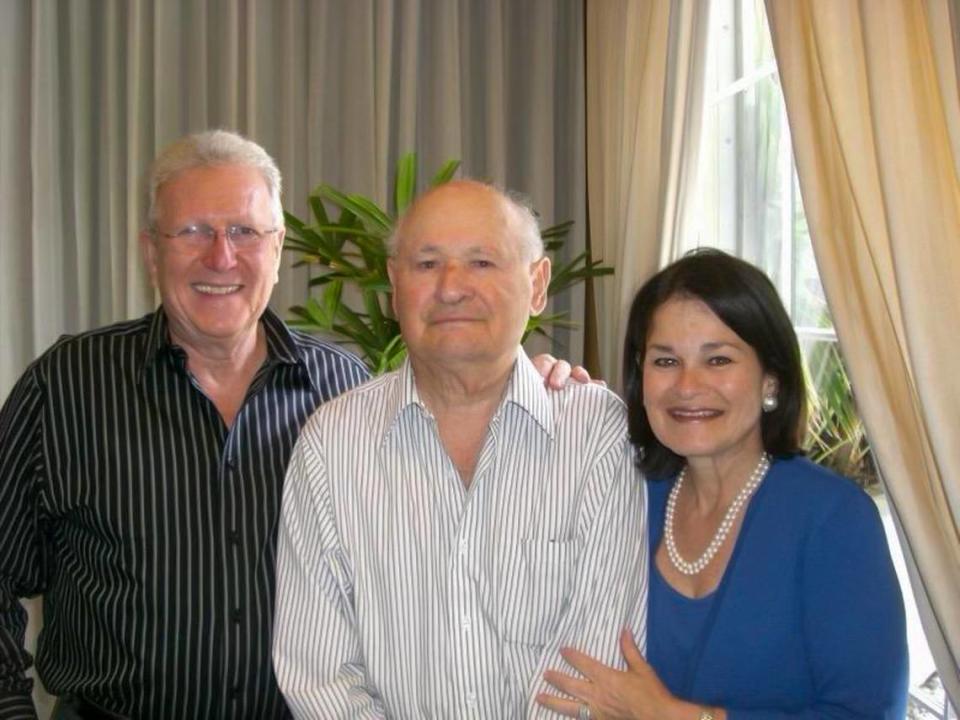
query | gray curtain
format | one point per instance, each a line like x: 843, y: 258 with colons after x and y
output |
x: 335, y: 90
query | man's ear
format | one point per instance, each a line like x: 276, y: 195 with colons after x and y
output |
x: 148, y: 246
x: 540, y: 278
x: 279, y: 250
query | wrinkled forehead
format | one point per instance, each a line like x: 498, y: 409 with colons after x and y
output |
x: 457, y: 219
x: 215, y: 192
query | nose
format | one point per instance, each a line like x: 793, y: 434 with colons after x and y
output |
x: 453, y: 284
x: 688, y: 381
x: 221, y: 255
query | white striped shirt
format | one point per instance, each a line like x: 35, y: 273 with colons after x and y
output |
x: 403, y: 594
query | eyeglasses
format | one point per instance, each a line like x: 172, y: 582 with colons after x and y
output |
x: 202, y: 236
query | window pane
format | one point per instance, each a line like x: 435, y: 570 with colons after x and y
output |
x: 741, y: 44
x: 749, y: 199
x: 808, y: 300
x: 746, y: 176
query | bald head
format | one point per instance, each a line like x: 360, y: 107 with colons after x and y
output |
x: 471, y: 199
x: 468, y: 271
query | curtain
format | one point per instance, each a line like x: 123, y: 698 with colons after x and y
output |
x: 645, y: 94
x: 872, y: 99
x: 336, y: 91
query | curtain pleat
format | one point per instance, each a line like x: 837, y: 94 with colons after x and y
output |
x: 645, y: 94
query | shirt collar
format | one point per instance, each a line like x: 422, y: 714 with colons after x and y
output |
x: 403, y: 397
x: 525, y: 390
x: 282, y: 347
x: 158, y: 338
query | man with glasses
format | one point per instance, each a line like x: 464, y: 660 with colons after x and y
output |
x: 141, y: 464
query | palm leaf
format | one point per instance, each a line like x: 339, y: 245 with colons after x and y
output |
x: 373, y: 218
x: 556, y: 231
x: 405, y: 182
x: 446, y: 173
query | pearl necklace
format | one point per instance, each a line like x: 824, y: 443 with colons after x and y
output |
x: 695, y: 567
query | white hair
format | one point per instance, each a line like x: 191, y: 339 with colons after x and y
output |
x: 522, y: 218
x: 209, y: 148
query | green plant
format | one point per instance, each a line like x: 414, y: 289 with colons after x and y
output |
x: 348, y: 255
x: 836, y: 436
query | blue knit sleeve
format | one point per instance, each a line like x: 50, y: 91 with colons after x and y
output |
x: 853, y: 620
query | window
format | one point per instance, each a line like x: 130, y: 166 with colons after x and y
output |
x: 750, y: 206
x: 750, y: 199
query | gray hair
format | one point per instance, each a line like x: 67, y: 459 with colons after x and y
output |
x: 209, y: 148
x: 522, y: 218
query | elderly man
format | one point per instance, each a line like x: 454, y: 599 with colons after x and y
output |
x: 141, y: 464
x: 448, y: 527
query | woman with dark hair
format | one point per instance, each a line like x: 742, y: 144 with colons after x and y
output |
x: 772, y: 592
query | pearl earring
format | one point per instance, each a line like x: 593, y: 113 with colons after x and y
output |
x: 769, y: 403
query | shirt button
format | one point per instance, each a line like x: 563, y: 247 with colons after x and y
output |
x: 472, y: 700
x: 466, y: 625
x: 234, y: 537
x: 463, y: 547
x: 236, y: 615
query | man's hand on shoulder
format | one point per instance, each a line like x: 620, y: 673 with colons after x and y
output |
x: 556, y: 372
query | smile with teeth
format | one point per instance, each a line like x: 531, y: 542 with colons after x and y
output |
x: 692, y: 414
x: 215, y: 289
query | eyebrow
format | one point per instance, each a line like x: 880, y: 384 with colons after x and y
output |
x: 706, y: 347
x: 472, y: 250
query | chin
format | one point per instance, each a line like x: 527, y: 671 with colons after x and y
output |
x: 453, y: 353
x: 217, y: 328
x: 690, y: 447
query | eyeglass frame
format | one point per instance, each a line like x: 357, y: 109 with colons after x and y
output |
x: 209, y: 233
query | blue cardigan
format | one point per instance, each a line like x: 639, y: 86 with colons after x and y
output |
x: 807, y: 621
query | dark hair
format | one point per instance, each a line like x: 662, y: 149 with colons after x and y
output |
x: 747, y: 302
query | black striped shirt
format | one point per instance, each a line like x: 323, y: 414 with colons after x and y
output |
x: 148, y: 524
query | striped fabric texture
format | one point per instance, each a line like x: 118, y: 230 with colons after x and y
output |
x: 148, y: 524
x: 401, y: 593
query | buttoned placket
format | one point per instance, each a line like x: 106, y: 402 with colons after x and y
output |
x: 473, y: 633
x: 228, y: 614
x: 231, y: 479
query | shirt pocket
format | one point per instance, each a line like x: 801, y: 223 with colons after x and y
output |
x: 537, y: 589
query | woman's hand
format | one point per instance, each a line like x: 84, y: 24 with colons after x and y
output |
x: 636, y: 693
x: 556, y: 372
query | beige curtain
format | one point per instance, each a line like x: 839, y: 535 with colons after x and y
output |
x: 645, y: 94
x: 335, y: 90
x: 872, y: 98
